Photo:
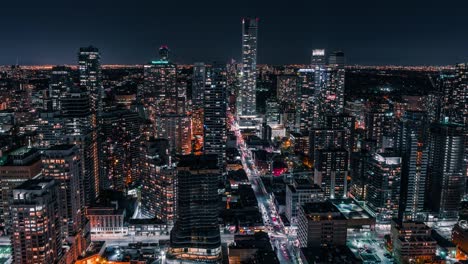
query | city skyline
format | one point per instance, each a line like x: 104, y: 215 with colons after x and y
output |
x: 368, y: 33
x: 186, y: 155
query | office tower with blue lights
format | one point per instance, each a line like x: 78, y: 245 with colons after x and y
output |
x: 196, y: 236
x: 247, y: 96
x: 215, y: 115
x: 412, y: 147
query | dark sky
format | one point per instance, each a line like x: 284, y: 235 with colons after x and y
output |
x: 410, y: 32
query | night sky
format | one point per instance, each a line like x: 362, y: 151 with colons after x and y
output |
x: 410, y: 32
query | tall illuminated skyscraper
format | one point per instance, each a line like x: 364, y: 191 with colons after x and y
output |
x: 160, y: 89
x: 198, y: 84
x: 446, y: 179
x: 195, y: 237
x: 412, y: 147
x: 89, y: 66
x: 215, y: 113
x: 63, y: 164
x: 247, y: 97
x: 60, y: 83
x: 318, y: 57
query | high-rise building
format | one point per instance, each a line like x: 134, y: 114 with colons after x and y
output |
x: 337, y: 58
x: 331, y: 85
x: 215, y: 115
x: 89, y: 66
x: 118, y: 145
x: 307, y: 105
x: 60, y: 83
x: 159, y: 93
x: 198, y: 85
x: 331, y: 172
x: 446, y: 178
x: 411, y: 146
x: 286, y: 89
x: 63, y: 164
x: 16, y: 167
x: 272, y: 112
x: 324, y: 138
x: 158, y: 177
x: 178, y: 130
x: 247, y: 97
x: 454, y: 102
x: 384, y: 174
x: 196, y: 234
x: 198, y: 94
x: 318, y: 57
x: 79, y: 130
x: 36, y: 215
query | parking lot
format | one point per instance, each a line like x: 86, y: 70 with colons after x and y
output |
x: 368, y: 247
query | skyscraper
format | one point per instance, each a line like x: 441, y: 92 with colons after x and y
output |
x: 247, y: 96
x: 178, y: 130
x: 36, y: 215
x: 63, y: 164
x: 118, y: 145
x: 60, y: 83
x: 215, y: 104
x: 198, y: 84
x: 384, y: 174
x: 198, y: 91
x: 158, y: 178
x: 318, y: 57
x: 446, y: 179
x: 331, y: 172
x: 307, y: 104
x: 412, y: 147
x: 272, y: 112
x: 196, y: 235
x: 79, y: 130
x: 159, y: 93
x: 89, y: 66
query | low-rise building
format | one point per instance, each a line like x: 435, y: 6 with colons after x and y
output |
x: 301, y: 191
x: 412, y: 241
x: 321, y: 224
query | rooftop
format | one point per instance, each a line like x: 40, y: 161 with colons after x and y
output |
x: 195, y: 162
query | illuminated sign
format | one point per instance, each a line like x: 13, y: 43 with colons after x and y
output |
x: 318, y: 52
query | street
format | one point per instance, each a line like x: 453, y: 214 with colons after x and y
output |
x: 282, y: 243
